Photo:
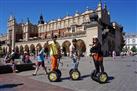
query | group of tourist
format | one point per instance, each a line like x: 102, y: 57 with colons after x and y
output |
x: 55, y: 53
x: 10, y: 58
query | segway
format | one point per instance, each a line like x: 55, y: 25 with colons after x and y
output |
x: 54, y: 76
x: 74, y: 74
x: 99, y: 77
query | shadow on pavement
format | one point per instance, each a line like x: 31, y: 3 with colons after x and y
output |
x: 65, y: 78
x: 9, y: 85
x: 135, y: 72
x: 85, y: 76
x: 81, y: 78
x: 110, y: 78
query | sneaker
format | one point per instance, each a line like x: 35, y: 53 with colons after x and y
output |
x: 34, y: 74
x: 15, y: 71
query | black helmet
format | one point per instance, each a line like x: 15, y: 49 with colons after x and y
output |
x: 74, y: 40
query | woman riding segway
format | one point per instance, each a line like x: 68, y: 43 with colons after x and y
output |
x: 97, y: 56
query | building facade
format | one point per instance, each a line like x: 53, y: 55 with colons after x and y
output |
x: 82, y: 26
x: 130, y: 41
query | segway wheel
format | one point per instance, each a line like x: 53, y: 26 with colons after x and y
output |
x: 70, y: 71
x: 75, y: 75
x: 93, y: 74
x: 59, y: 73
x: 53, y: 76
x: 103, y: 77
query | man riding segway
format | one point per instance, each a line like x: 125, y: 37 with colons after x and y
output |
x: 75, y: 56
x: 55, y: 73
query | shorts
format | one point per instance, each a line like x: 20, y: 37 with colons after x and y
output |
x: 40, y: 63
x: 97, y: 57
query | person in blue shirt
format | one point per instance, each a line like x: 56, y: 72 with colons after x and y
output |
x: 40, y: 60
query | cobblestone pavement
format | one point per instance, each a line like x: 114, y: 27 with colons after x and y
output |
x: 12, y: 82
x: 122, y: 74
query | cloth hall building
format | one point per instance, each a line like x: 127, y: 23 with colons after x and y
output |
x: 82, y: 26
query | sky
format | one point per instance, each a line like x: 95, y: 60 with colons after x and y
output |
x: 124, y: 12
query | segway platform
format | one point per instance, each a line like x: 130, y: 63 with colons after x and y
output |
x: 99, y: 77
x: 74, y: 74
x: 54, y: 76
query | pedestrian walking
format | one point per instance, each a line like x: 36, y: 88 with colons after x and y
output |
x: 12, y: 60
x: 40, y: 61
x: 114, y: 55
x: 27, y: 57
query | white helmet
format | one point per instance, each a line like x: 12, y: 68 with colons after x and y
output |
x: 95, y: 37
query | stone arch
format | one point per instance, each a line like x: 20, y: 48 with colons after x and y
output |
x: 32, y: 49
x: 45, y: 46
x: 26, y: 48
x: 39, y: 45
x: 65, y: 47
x: 21, y: 49
x: 17, y: 49
x: 82, y: 46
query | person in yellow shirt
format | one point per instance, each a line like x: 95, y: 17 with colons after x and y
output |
x: 54, y: 53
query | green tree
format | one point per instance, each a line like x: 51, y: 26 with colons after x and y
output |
x: 125, y: 49
x: 134, y: 49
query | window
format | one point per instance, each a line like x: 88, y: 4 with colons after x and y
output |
x: 128, y: 41
x: 62, y: 24
x: 58, y: 25
x: 133, y: 41
x: 73, y: 28
x: 81, y: 20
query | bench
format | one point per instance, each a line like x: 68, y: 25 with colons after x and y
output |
x: 20, y: 67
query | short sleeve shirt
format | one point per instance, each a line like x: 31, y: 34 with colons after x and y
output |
x: 40, y: 56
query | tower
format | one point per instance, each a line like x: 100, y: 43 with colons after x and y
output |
x: 99, y: 9
x: 11, y: 35
x: 26, y: 30
x: 41, y: 20
x: 105, y: 15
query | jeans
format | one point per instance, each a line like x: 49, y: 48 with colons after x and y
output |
x: 75, y: 63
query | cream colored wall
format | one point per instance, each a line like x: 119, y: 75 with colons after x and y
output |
x: 63, y: 23
x: 90, y: 33
x: 42, y: 42
x: 3, y: 38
